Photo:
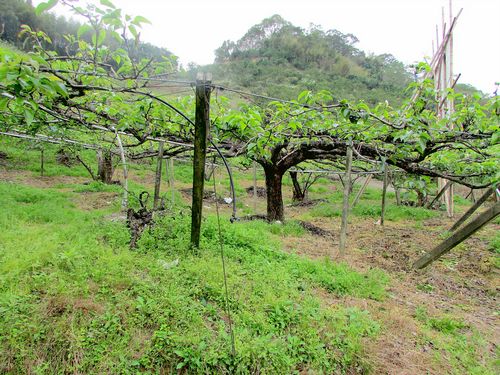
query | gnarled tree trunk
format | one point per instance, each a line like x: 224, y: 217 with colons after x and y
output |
x: 299, y: 194
x: 275, y: 210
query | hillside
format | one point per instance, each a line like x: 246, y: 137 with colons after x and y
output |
x: 277, y: 58
x: 14, y: 13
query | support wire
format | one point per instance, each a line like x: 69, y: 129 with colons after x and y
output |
x: 221, y: 243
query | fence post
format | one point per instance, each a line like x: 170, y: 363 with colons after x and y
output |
x: 202, y: 122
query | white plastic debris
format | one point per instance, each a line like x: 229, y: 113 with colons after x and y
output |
x: 228, y: 200
x: 168, y: 265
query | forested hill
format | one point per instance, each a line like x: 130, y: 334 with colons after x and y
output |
x: 14, y: 13
x: 277, y: 58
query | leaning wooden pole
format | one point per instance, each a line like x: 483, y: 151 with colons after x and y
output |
x: 440, y: 193
x: 159, y: 160
x: 361, y: 191
x: 458, y: 237
x: 202, y: 121
x: 473, y: 208
x: 345, y: 203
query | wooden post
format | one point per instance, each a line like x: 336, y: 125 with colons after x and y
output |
x: 42, y: 170
x: 125, y: 172
x: 384, y: 192
x: 458, y: 237
x: 440, y: 193
x: 361, y: 191
x: 254, y: 187
x: 156, y: 198
x: 202, y: 122
x: 473, y: 208
x: 345, y: 203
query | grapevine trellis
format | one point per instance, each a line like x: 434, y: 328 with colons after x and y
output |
x: 97, y: 91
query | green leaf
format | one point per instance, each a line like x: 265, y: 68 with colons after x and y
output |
x: 102, y: 36
x: 83, y: 30
x: 107, y: 3
x: 133, y: 31
x: 29, y: 116
x: 140, y: 19
x: 42, y: 7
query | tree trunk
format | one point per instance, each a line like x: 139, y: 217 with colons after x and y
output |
x: 299, y: 195
x: 105, y: 166
x: 275, y: 209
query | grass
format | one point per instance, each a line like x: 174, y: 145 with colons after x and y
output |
x: 74, y: 298
x: 373, y: 210
x: 22, y: 155
x: 457, y: 343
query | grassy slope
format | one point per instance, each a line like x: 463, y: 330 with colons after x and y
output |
x: 74, y: 298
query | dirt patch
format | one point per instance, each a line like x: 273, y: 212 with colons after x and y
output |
x: 463, y: 284
x: 94, y: 201
x: 59, y: 305
x: 28, y: 178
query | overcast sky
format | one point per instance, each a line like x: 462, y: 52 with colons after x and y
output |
x: 193, y: 29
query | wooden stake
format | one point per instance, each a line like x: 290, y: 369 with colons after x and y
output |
x: 384, y: 192
x: 42, y: 170
x: 159, y: 160
x: 345, y: 204
x: 458, y: 237
x: 473, y: 208
x: 202, y: 122
x: 362, y: 190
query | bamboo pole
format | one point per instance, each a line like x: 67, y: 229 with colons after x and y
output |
x: 458, y: 237
x: 361, y: 190
x: 42, y: 170
x: 156, y: 198
x: 473, y: 208
x: 440, y: 193
x: 172, y: 180
x: 125, y: 172
x: 254, y: 187
x: 384, y: 193
x: 345, y: 203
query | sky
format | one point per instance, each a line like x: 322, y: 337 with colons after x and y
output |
x: 193, y: 29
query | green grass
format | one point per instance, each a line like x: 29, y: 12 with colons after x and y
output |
x: 457, y: 344
x: 74, y: 298
x: 374, y: 209
x: 22, y: 155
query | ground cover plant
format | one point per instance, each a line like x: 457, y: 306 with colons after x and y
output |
x: 112, y: 309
